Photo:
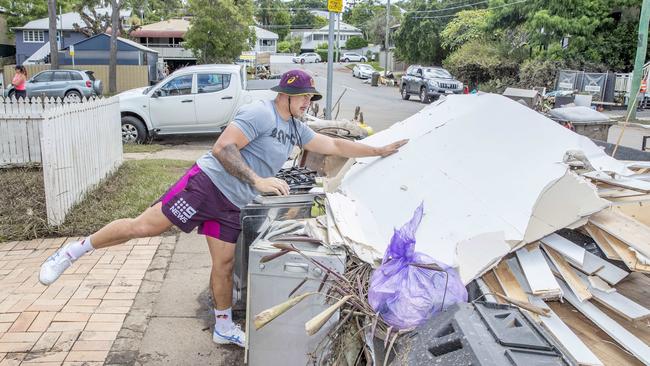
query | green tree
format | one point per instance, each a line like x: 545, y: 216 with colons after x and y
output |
x: 465, y: 26
x: 418, y: 41
x: 273, y: 15
x: 155, y: 10
x: 20, y: 12
x: 284, y: 47
x: 220, y: 29
x: 355, y: 42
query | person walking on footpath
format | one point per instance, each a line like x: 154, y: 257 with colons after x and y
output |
x: 242, y: 164
x: 19, y: 80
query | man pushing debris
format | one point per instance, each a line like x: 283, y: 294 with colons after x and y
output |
x: 243, y: 163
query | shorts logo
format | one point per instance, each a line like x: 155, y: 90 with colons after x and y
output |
x: 182, y: 210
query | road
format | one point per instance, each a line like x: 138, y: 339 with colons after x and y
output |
x: 381, y: 106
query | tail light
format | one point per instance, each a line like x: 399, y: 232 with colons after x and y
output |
x: 88, y: 83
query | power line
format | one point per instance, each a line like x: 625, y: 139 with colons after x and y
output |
x: 488, y: 8
x: 449, y: 8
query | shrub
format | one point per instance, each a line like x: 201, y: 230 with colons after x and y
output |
x: 354, y: 43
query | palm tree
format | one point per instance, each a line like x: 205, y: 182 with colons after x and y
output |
x: 112, y: 61
x: 54, y: 49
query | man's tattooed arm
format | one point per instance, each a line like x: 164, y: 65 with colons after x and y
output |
x: 231, y: 159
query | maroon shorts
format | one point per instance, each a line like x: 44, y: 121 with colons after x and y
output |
x: 195, y: 201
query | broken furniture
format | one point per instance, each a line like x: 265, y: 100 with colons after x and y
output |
x: 530, y: 97
x: 586, y: 121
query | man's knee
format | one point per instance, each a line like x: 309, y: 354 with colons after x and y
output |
x: 222, y: 266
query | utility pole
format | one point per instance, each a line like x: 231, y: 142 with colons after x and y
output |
x: 386, y: 37
x: 641, y: 47
x: 338, y: 36
x: 52, y: 33
x: 330, y: 67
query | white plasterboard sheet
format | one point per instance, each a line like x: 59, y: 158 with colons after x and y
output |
x: 537, y: 272
x: 565, y: 247
x: 626, y: 339
x: 492, y: 247
x: 575, y: 347
x: 620, y: 181
x: 479, y: 163
x: 617, y: 302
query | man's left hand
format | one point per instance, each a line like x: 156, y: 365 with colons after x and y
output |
x: 391, y: 149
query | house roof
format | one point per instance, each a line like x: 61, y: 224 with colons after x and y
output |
x: 167, y: 28
x: 119, y: 39
x: 345, y: 27
x: 66, y: 21
x: 264, y: 34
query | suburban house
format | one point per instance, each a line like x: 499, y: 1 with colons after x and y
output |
x: 266, y: 41
x: 32, y: 38
x: 96, y: 51
x: 166, y: 38
x: 313, y: 37
x: 7, y: 44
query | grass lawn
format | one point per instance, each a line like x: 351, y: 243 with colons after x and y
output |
x: 129, y: 191
x: 142, y: 148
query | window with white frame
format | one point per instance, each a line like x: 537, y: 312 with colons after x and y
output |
x: 33, y: 36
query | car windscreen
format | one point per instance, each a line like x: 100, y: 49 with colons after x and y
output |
x: 437, y: 73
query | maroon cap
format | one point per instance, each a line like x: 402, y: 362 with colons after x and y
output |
x: 297, y: 82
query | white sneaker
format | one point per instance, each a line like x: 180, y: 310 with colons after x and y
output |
x: 55, y: 265
x: 233, y: 335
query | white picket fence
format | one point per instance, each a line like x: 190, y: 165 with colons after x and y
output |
x: 77, y: 145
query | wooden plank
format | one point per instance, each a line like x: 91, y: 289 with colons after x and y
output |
x: 627, y: 256
x: 617, y: 302
x: 566, y: 247
x: 539, y: 276
x: 591, y: 264
x: 620, y: 181
x: 623, y: 337
x: 640, y: 211
x: 508, y: 282
x: 490, y: 280
x: 569, y: 274
x: 573, y: 346
x: 625, y: 228
x: 602, y: 243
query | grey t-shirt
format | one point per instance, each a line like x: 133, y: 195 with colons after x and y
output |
x: 270, y: 141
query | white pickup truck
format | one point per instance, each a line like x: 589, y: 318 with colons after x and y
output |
x: 193, y: 100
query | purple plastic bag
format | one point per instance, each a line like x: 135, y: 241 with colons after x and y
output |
x: 405, y: 295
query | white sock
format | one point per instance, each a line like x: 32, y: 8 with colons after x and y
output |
x: 223, y: 319
x: 76, y: 250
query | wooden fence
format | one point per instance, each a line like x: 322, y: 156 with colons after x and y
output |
x: 128, y: 76
x: 79, y: 145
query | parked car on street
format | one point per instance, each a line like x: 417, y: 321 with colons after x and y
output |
x: 306, y: 58
x: 428, y: 83
x: 192, y: 100
x: 352, y: 57
x: 363, y: 71
x: 69, y: 85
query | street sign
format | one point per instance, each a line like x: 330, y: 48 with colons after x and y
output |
x: 335, y: 6
x: 71, y: 50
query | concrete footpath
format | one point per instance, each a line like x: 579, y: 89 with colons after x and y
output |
x: 145, y: 302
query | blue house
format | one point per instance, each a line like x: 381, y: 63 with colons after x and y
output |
x: 32, y: 38
x: 96, y: 51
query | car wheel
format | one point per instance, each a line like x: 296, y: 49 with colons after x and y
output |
x: 363, y: 59
x: 72, y: 96
x: 424, y: 98
x: 405, y: 94
x: 133, y: 130
x: 346, y: 60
